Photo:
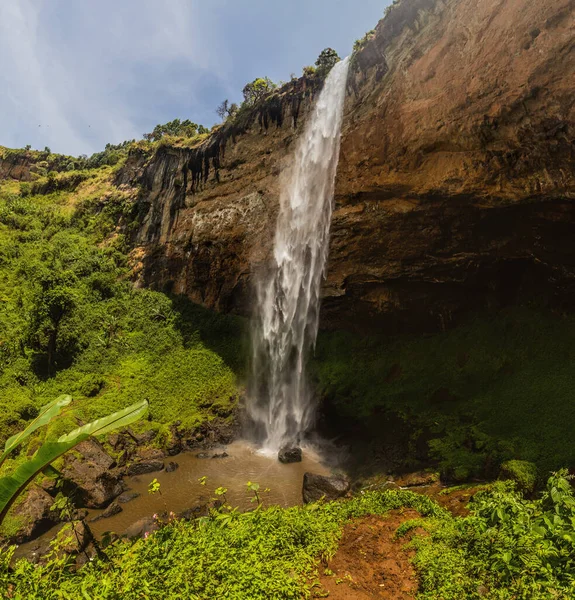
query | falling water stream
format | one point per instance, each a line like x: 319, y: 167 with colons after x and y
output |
x: 288, y: 297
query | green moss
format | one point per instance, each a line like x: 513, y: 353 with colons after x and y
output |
x: 522, y: 472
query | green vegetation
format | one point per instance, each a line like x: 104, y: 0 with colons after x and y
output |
x: 507, y: 548
x: 256, y: 90
x: 495, y: 389
x: 11, y: 486
x: 175, y: 128
x: 325, y: 62
x: 71, y: 322
x: 362, y: 42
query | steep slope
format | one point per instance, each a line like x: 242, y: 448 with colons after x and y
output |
x: 455, y: 188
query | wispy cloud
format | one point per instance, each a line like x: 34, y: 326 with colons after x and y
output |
x: 74, y: 71
x: 75, y: 75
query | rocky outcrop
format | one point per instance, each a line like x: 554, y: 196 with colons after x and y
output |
x: 319, y: 487
x: 91, y: 472
x: 35, y: 514
x: 455, y: 186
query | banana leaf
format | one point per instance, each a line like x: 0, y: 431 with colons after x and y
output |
x: 46, y: 414
x: 13, y: 485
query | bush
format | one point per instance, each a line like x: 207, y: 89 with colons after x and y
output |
x: 523, y: 473
x: 325, y: 62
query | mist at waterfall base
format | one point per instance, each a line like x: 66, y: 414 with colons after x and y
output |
x: 280, y: 406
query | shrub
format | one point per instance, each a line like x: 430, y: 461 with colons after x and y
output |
x: 325, y: 62
x: 257, y: 89
x: 522, y: 472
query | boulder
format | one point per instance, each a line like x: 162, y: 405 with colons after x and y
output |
x: 147, y: 460
x: 316, y: 487
x: 172, y: 466
x: 91, y: 472
x: 112, y: 510
x: 140, y: 528
x: 290, y: 454
x: 220, y: 455
x: 74, y: 537
x: 35, y: 514
x: 127, y: 497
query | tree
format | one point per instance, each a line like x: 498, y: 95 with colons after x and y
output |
x: 177, y: 128
x: 325, y: 62
x: 257, y: 89
x: 226, y: 110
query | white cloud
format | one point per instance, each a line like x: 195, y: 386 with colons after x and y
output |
x: 70, y: 68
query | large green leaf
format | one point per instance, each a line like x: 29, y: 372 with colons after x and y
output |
x: 46, y: 414
x: 13, y: 485
x: 105, y: 424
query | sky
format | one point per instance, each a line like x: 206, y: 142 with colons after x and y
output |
x: 77, y: 74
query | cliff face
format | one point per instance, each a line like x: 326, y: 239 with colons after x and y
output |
x: 456, y: 184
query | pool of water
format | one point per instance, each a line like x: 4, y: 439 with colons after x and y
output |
x: 182, y: 489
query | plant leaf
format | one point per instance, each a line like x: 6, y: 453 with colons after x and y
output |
x: 118, y: 419
x: 13, y: 485
x: 46, y: 414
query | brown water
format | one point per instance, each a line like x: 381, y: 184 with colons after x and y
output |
x: 182, y: 489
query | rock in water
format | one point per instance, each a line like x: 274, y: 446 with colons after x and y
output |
x: 316, y: 487
x: 290, y: 454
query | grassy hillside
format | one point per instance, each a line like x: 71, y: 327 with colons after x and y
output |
x: 71, y: 322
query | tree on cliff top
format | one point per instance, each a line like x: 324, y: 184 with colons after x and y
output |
x: 226, y: 109
x: 176, y: 127
x: 325, y: 62
x: 257, y: 89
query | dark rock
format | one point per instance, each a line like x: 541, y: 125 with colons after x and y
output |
x: 74, y: 537
x: 172, y: 466
x: 50, y: 485
x: 203, y: 455
x: 35, y: 513
x: 149, y: 454
x: 146, y: 437
x: 316, y: 487
x: 112, y: 510
x: 145, y: 466
x: 189, y: 514
x: 174, y: 445
x: 127, y: 497
x: 417, y: 479
x: 140, y: 528
x: 220, y: 455
x: 92, y: 475
x: 290, y: 454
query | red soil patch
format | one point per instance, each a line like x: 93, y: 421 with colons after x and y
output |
x: 370, y: 563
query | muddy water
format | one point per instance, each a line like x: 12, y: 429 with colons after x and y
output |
x: 181, y: 489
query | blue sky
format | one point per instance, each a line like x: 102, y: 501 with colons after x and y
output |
x: 75, y: 74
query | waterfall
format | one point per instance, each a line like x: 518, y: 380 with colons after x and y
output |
x: 288, y: 296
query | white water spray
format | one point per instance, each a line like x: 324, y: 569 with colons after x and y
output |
x: 288, y: 298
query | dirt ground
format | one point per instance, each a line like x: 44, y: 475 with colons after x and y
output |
x: 371, y: 564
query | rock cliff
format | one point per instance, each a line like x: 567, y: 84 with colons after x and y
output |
x: 455, y: 189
